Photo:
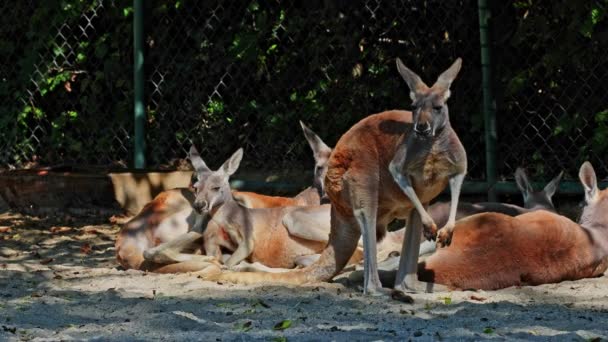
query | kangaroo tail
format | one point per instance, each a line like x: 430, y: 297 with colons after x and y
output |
x: 204, y: 269
x: 296, y: 277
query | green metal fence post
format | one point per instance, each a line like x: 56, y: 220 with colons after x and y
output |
x: 489, y: 112
x: 138, y: 81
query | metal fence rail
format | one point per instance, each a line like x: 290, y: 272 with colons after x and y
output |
x: 228, y: 74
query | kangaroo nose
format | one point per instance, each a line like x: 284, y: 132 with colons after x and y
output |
x: 200, y: 206
x: 422, y: 128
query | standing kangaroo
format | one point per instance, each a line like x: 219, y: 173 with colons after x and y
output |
x: 170, y: 218
x: 493, y: 251
x: 389, y: 165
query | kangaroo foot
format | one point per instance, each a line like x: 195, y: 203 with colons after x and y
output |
x: 411, y: 284
x: 377, y: 291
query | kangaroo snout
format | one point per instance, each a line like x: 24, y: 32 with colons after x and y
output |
x: 423, y: 128
x: 201, y: 206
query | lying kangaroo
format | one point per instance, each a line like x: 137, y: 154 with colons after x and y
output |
x: 312, y: 195
x: 492, y: 251
x: 389, y: 165
x: 257, y: 235
x: 171, y: 216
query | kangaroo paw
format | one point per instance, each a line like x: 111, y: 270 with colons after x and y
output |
x: 444, y: 238
x: 430, y: 231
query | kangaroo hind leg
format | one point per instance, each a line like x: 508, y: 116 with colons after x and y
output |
x: 170, y: 252
x: 364, y: 201
x: 407, y: 275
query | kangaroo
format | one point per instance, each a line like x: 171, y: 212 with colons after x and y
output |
x: 493, y: 251
x: 312, y: 195
x: 388, y: 165
x: 255, y: 234
x: 171, y: 215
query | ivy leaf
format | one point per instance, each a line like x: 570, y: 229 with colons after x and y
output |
x: 282, y: 325
x: 246, y: 326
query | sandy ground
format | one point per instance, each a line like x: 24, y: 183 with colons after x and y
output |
x: 59, y: 281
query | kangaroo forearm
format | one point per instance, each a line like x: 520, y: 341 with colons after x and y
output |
x: 241, y: 253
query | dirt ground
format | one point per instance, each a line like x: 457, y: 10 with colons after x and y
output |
x: 59, y: 281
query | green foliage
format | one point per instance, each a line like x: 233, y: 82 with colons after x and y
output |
x: 230, y: 74
x: 61, y: 84
x: 282, y: 325
x: 255, y: 68
x: 551, y: 87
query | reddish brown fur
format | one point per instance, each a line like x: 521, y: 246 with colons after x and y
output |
x: 358, y: 150
x: 254, y: 200
x: 272, y: 245
x: 374, y: 140
x: 275, y: 247
x: 141, y: 232
x: 492, y: 251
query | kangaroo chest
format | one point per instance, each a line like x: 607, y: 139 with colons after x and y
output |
x: 430, y: 174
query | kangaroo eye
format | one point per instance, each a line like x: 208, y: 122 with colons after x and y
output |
x: 216, y: 188
x: 437, y: 108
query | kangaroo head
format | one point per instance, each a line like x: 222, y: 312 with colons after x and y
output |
x: 212, y: 187
x: 430, y: 112
x: 537, y: 199
x: 321, y: 154
x: 596, y: 200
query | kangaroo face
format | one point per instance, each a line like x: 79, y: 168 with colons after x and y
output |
x: 212, y: 187
x: 320, y: 172
x: 537, y: 199
x: 211, y: 191
x: 321, y: 154
x: 430, y: 113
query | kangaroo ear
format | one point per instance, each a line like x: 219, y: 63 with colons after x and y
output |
x: 589, y: 181
x: 196, y: 160
x: 319, y: 148
x: 521, y: 179
x: 414, y: 82
x: 551, y: 188
x: 232, y: 164
x: 444, y: 81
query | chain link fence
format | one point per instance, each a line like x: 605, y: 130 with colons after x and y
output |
x: 65, y: 84
x: 551, y: 85
x: 224, y: 75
